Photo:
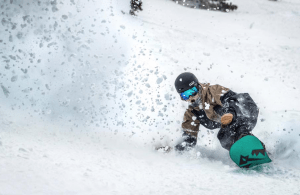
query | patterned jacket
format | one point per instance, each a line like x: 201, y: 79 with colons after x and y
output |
x: 210, y: 97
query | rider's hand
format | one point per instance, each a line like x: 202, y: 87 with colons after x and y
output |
x: 226, y: 119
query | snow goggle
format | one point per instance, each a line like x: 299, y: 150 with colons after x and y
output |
x: 191, y: 92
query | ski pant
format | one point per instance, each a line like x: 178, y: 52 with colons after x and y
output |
x: 245, y: 113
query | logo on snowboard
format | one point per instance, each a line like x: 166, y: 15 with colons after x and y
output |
x: 245, y: 159
x: 256, y: 152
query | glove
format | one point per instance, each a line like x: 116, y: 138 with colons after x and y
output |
x: 188, y: 143
x: 226, y: 119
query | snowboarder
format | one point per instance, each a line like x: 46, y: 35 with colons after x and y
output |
x: 214, y: 106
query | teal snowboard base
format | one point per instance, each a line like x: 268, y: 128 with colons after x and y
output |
x: 248, y: 152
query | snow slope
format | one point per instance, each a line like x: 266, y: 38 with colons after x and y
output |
x: 87, y: 93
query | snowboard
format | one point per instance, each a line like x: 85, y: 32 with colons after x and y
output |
x: 248, y: 152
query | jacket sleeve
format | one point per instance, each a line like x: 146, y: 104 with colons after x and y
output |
x: 190, y: 126
x: 205, y: 121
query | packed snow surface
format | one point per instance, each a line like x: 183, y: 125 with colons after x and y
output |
x: 87, y: 94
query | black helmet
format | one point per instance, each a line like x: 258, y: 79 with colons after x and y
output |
x: 185, y: 81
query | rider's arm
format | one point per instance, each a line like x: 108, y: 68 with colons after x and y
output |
x: 190, y: 128
x: 204, y: 120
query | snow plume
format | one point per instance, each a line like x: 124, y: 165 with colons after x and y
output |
x: 62, y: 58
x: 82, y: 64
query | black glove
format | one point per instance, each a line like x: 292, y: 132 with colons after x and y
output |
x: 188, y: 143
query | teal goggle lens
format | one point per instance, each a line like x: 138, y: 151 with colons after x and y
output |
x: 191, y: 92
